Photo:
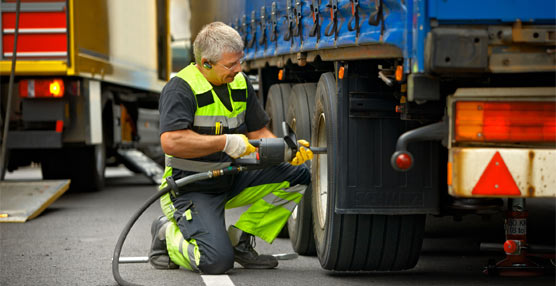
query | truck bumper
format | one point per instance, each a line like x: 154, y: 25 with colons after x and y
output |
x: 501, y: 172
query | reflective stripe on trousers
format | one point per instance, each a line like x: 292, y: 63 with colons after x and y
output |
x: 182, y: 252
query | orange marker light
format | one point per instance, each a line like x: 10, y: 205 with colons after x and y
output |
x: 399, y: 73
x: 341, y: 73
x: 449, y: 173
x: 281, y: 74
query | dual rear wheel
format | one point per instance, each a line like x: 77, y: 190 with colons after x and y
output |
x: 343, y: 242
x: 350, y: 242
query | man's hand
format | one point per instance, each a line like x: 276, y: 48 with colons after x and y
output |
x: 303, y: 154
x: 237, y: 145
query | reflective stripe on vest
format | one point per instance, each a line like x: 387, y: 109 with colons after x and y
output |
x: 194, y: 166
x: 210, y: 121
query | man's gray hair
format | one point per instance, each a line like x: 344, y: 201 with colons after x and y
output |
x: 214, y: 39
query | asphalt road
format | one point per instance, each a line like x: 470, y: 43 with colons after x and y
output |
x: 72, y: 243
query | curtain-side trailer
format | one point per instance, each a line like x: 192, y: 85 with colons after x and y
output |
x: 425, y: 107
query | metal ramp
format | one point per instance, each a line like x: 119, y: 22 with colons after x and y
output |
x: 141, y: 162
x: 21, y: 201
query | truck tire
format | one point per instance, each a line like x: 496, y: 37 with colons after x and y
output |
x: 97, y: 167
x: 299, y: 116
x: 85, y: 167
x: 352, y: 242
x: 276, y: 104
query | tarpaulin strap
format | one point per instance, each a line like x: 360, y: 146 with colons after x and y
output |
x: 354, y: 16
x: 315, y: 13
x: 377, y: 16
x: 274, y: 20
x: 262, y: 23
x: 253, y: 30
x: 243, y: 28
x: 289, y: 20
x: 298, y: 16
x: 234, y: 24
x: 332, y: 26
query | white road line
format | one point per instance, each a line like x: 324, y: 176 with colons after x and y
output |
x: 217, y: 280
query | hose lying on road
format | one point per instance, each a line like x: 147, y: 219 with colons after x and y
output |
x: 179, y: 183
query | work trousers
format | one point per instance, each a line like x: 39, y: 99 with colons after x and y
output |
x: 197, y: 237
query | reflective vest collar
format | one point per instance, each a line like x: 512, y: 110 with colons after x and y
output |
x: 199, y: 84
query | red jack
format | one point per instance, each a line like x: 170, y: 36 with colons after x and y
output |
x: 517, y: 261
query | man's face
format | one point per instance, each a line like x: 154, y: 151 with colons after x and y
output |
x: 226, y: 68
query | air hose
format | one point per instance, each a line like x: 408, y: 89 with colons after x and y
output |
x: 169, y: 187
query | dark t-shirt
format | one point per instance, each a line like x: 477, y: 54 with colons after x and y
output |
x: 177, y: 106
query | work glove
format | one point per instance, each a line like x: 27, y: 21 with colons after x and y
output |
x: 303, y: 154
x: 237, y: 145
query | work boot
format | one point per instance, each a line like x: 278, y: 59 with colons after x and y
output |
x: 158, y: 256
x: 244, y: 251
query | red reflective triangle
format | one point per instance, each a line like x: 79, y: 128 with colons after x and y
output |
x: 496, y: 179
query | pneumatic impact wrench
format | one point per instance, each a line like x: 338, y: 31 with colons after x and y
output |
x: 273, y: 151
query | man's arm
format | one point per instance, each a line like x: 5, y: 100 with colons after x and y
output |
x: 261, y: 133
x: 190, y: 144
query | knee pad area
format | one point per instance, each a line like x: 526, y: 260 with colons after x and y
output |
x: 218, y: 266
x: 216, y: 260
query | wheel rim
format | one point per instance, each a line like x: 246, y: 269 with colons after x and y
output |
x: 293, y: 125
x: 294, y: 213
x: 322, y: 173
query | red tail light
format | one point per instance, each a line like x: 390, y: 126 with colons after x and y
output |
x: 30, y: 88
x: 505, y: 121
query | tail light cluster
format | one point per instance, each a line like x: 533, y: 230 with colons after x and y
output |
x: 482, y: 121
x: 41, y: 88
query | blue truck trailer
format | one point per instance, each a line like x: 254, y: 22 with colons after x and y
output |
x: 435, y: 107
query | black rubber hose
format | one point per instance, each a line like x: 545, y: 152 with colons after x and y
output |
x: 180, y: 183
x: 118, y: 249
x: 3, y: 163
